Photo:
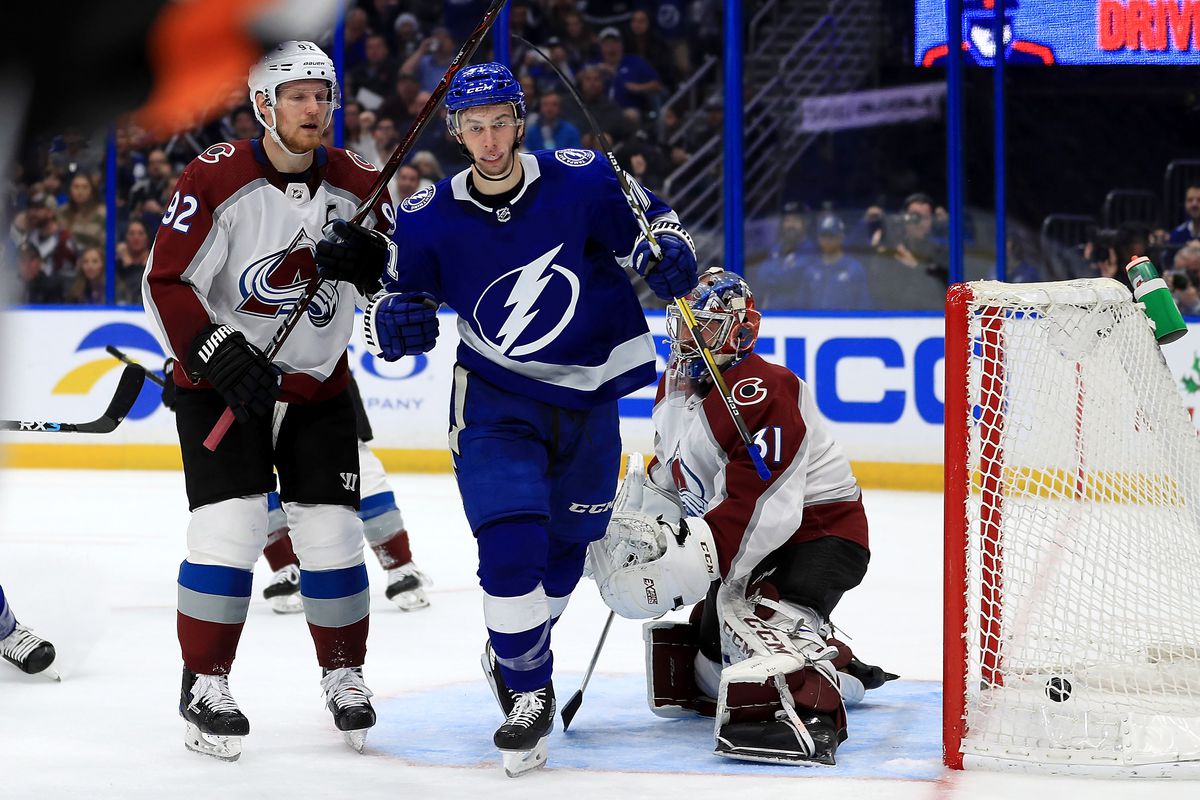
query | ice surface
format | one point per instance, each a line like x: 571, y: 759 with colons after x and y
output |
x: 89, y: 560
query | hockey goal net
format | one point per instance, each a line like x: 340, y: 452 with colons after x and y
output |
x: 1072, y: 524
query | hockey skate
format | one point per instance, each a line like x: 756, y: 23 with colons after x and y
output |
x: 812, y: 740
x: 523, y: 736
x: 29, y: 652
x: 215, y: 724
x: 406, y: 587
x: 495, y: 679
x: 348, y: 698
x: 283, y: 592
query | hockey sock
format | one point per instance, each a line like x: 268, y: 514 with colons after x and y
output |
x: 336, y: 604
x: 512, y: 557
x: 383, y: 528
x: 213, y: 601
x: 8, y: 622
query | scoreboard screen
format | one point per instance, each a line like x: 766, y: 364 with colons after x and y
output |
x: 1047, y: 32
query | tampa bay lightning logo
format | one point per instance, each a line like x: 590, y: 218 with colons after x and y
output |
x: 418, y: 199
x: 526, y: 309
x: 573, y: 157
x: 271, y: 286
x: 689, y: 486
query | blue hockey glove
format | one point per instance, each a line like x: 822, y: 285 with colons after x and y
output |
x: 398, y: 325
x: 355, y: 254
x: 675, y: 275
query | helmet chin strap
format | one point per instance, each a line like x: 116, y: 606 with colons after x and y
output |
x: 271, y: 129
x: 480, y: 173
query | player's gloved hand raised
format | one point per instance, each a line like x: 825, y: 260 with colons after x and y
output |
x: 247, y: 381
x: 400, y: 324
x: 355, y: 254
x: 676, y: 274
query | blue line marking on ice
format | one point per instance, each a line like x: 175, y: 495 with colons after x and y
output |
x: 895, y: 733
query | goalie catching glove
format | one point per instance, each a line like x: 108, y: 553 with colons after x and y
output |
x: 355, y: 254
x: 676, y: 273
x: 398, y: 325
x: 246, y: 380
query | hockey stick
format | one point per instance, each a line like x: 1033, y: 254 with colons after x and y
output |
x: 389, y: 169
x: 685, y: 310
x: 128, y: 388
x: 120, y: 356
x: 572, y: 705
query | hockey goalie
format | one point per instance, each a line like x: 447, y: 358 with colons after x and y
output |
x: 765, y: 562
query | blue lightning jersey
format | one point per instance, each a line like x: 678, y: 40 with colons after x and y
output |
x: 544, y: 308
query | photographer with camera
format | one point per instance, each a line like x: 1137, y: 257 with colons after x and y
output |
x: 911, y: 264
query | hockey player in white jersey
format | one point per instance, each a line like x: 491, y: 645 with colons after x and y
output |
x: 241, y: 237
x: 769, y: 559
x: 526, y: 248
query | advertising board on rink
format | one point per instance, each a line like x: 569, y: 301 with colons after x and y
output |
x: 877, y: 378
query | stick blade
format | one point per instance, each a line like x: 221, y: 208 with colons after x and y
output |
x: 570, y: 708
x: 128, y: 388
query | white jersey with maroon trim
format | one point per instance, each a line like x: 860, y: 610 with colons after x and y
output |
x: 218, y: 258
x: 699, y: 454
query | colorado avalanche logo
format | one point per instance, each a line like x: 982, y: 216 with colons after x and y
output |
x: 526, y: 309
x: 418, y: 199
x: 575, y: 158
x: 689, y: 486
x: 215, y: 153
x: 272, y: 285
x: 360, y: 161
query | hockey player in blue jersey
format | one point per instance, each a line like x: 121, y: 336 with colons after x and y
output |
x: 20, y: 646
x: 527, y: 249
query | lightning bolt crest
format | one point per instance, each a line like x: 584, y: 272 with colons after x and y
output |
x: 531, y: 280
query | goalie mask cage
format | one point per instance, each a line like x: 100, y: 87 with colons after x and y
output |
x: 1072, y: 525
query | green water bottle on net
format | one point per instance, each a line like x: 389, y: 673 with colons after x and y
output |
x: 1152, y: 291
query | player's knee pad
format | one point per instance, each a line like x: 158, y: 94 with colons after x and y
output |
x: 325, y: 536
x: 229, y: 533
x: 512, y: 555
x: 380, y: 516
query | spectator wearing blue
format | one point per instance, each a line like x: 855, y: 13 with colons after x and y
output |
x: 779, y: 274
x: 548, y: 130
x: 1190, y: 228
x: 633, y: 83
x: 831, y: 279
x: 431, y: 58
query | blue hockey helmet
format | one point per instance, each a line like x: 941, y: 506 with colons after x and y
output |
x: 483, y: 85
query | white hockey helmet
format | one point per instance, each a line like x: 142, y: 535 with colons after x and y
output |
x: 290, y: 61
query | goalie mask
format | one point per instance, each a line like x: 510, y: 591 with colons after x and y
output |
x: 725, y: 315
x: 290, y: 61
x: 645, y: 566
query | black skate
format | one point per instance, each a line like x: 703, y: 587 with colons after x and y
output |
x: 495, y: 678
x: 779, y: 742
x: 283, y: 592
x: 348, y: 698
x: 523, y: 736
x: 215, y: 724
x: 406, y: 587
x: 28, y: 652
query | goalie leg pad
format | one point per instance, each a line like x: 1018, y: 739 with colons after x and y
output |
x: 671, y: 688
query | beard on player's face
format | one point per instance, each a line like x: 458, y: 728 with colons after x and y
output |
x: 301, y: 135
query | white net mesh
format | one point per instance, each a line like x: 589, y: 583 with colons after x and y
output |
x: 1083, y: 562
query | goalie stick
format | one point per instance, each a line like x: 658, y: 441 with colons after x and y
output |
x: 572, y: 705
x: 389, y: 169
x: 685, y: 310
x: 128, y: 388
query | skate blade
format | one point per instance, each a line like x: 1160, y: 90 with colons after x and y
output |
x: 51, y: 673
x: 224, y: 748
x: 518, y: 762
x: 287, y: 603
x: 765, y: 756
x: 411, y: 601
x: 356, y: 739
